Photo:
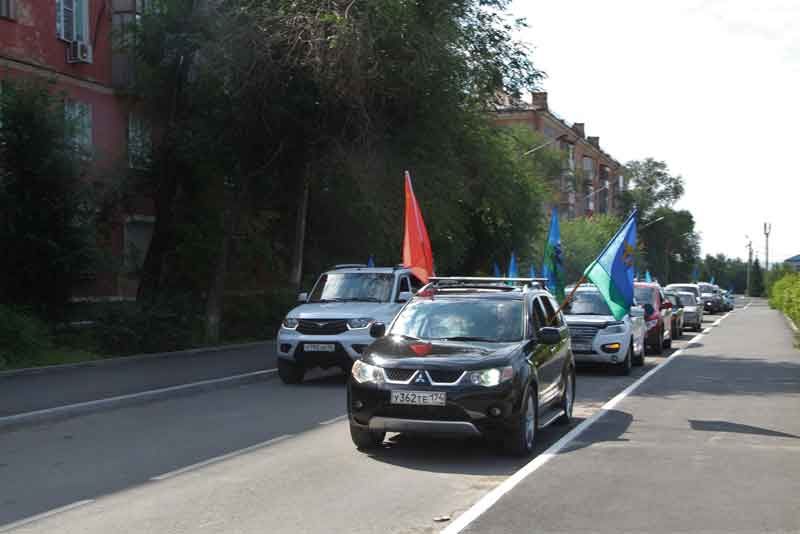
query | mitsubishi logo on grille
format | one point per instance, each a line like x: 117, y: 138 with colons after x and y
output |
x: 422, y: 378
x: 320, y: 323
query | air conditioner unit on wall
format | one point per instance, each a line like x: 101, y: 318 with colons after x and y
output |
x: 79, y: 52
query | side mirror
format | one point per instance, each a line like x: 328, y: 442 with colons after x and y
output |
x: 549, y: 335
x: 404, y: 296
x: 666, y: 305
x: 377, y: 330
x: 649, y: 310
x: 302, y: 297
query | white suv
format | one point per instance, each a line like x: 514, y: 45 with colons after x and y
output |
x: 331, y: 326
x: 598, y: 337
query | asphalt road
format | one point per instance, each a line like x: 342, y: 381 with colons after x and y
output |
x: 42, y: 390
x: 266, y: 457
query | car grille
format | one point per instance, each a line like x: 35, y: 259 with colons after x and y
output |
x: 322, y: 327
x: 445, y: 376
x: 583, y: 333
x: 399, y: 375
x: 432, y: 413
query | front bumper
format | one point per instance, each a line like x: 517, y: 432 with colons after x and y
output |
x: 600, y: 353
x: 348, y: 346
x: 466, y: 411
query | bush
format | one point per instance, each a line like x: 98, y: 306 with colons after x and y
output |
x: 257, y: 316
x: 785, y: 296
x: 23, y: 337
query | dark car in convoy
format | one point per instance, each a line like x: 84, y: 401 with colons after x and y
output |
x: 678, y: 317
x: 657, y: 315
x: 466, y: 356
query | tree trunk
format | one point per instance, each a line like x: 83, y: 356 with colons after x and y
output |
x: 217, y: 286
x: 296, y: 276
x: 154, y: 269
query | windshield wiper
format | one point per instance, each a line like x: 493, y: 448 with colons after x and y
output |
x: 467, y: 338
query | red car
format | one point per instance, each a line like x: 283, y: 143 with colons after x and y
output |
x: 657, y: 316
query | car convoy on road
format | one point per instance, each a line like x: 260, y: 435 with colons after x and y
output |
x: 490, y: 357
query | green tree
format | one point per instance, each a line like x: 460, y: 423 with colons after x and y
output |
x: 670, y: 246
x: 652, y: 187
x: 46, y: 213
x: 756, y: 280
x: 582, y: 239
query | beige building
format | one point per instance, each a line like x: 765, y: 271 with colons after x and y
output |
x: 592, y: 180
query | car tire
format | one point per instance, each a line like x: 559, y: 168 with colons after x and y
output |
x: 290, y: 372
x: 568, y: 398
x: 521, y: 440
x: 658, y: 348
x: 668, y: 343
x: 624, y: 368
x: 365, y: 440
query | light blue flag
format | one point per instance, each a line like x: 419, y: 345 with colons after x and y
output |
x: 647, y: 277
x: 612, y: 271
x: 713, y: 279
x: 371, y: 261
x: 553, y: 267
x: 695, y: 274
x: 496, y: 271
x: 533, y: 271
x: 512, y: 266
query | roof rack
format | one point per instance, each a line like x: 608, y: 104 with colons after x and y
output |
x: 348, y: 266
x: 484, y: 282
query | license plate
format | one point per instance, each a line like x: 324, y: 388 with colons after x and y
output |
x: 582, y: 347
x: 419, y: 398
x: 319, y: 347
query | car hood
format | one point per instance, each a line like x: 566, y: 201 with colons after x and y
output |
x: 396, y: 351
x: 590, y: 320
x: 690, y: 309
x: 382, y: 311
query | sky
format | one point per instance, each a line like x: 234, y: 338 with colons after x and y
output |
x: 711, y: 87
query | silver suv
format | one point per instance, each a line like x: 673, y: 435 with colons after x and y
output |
x: 331, y: 326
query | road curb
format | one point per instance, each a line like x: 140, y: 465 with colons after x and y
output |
x: 82, y: 408
x: 791, y: 324
x: 131, y: 359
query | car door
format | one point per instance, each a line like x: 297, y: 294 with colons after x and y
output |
x: 562, y: 350
x: 666, y: 314
x: 545, y: 355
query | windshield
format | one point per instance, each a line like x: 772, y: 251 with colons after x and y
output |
x: 672, y: 298
x: 688, y: 289
x: 687, y: 299
x: 587, y: 303
x: 466, y: 320
x: 706, y: 289
x: 346, y: 287
x: 645, y: 295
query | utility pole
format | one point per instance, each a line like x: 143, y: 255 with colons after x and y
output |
x: 767, y: 230
x: 749, y: 263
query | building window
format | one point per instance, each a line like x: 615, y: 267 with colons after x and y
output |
x: 138, y: 234
x: 72, y: 20
x: 588, y: 168
x: 140, y: 147
x: 79, y: 119
x: 8, y: 9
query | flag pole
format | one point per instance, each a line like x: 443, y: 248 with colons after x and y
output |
x: 569, y: 298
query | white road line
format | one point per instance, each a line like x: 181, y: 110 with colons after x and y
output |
x: 221, y: 458
x: 22, y: 522
x: 488, y: 500
x: 334, y: 420
x: 108, y: 401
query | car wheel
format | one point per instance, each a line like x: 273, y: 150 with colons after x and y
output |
x: 521, y: 440
x: 568, y: 398
x: 365, y: 440
x: 290, y: 372
x: 624, y: 368
x: 668, y: 343
x: 658, y: 348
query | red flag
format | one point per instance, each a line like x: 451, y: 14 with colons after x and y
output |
x: 417, y: 254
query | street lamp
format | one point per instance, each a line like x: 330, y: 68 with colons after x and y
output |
x: 651, y: 222
x: 543, y: 145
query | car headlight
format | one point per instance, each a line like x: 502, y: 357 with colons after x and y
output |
x: 614, y: 328
x: 364, y: 372
x: 290, y: 323
x: 359, y: 323
x: 652, y: 324
x: 490, y: 377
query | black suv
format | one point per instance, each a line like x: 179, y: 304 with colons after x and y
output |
x: 469, y: 356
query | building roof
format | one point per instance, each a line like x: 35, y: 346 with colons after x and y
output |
x: 794, y: 259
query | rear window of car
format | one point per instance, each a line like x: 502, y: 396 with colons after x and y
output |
x: 645, y: 295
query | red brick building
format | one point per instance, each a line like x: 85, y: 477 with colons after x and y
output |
x: 69, y: 42
x: 592, y: 180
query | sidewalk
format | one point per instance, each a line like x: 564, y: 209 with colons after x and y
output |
x: 58, y: 387
x: 710, y: 443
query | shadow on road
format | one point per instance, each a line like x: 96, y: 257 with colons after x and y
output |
x: 727, y: 426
